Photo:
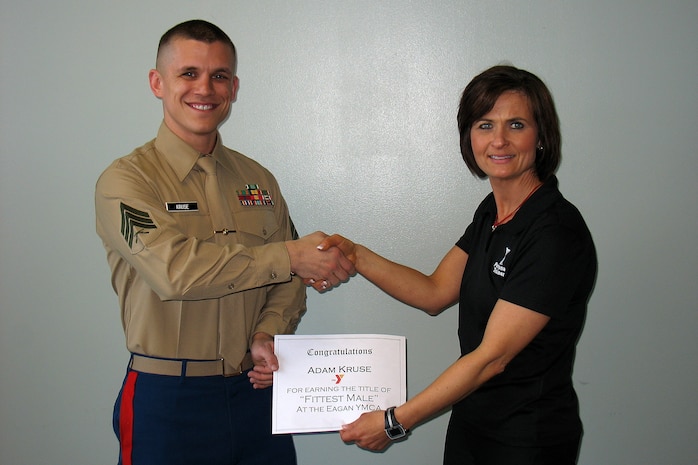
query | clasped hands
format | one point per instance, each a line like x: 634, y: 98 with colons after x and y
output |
x: 322, y: 261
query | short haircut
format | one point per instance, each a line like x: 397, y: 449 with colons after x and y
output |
x: 479, y: 98
x: 197, y: 29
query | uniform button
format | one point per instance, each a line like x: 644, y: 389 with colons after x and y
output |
x: 264, y: 232
x: 273, y: 275
x: 231, y: 286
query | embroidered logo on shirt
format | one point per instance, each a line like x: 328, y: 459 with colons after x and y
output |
x: 253, y: 196
x: 182, y: 206
x: 133, y: 222
x: 498, y: 268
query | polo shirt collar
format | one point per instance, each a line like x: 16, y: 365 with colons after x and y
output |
x: 543, y: 198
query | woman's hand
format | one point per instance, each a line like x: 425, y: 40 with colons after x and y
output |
x: 367, y: 432
x: 348, y: 249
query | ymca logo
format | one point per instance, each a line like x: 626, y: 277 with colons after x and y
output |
x: 498, y: 268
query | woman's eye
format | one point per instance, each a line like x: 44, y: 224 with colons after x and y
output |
x: 485, y: 126
x: 517, y: 125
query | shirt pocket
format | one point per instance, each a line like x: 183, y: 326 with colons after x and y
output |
x: 195, y: 224
x: 256, y: 226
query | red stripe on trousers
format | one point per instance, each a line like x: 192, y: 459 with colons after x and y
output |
x: 126, y: 418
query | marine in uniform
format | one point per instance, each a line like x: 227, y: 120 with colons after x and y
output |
x: 202, y: 287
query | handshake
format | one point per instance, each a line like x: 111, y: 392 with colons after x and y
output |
x: 322, y: 261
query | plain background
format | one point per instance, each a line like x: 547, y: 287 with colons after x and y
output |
x: 352, y: 105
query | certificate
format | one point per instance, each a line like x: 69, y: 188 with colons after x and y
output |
x: 326, y: 381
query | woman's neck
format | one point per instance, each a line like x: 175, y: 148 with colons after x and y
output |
x: 511, y: 195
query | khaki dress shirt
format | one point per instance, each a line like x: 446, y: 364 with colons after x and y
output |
x: 186, y: 292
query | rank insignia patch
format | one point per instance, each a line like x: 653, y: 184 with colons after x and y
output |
x: 252, y: 195
x: 133, y: 221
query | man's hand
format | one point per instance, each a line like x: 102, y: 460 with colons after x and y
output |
x: 325, y: 268
x: 265, y: 362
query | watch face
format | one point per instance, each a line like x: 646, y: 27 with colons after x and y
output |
x: 396, y: 432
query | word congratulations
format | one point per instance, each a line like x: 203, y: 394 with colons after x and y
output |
x: 332, y: 352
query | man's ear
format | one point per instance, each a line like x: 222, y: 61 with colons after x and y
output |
x: 236, y: 86
x: 155, y: 81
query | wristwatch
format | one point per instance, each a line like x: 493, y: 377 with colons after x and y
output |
x: 393, y: 428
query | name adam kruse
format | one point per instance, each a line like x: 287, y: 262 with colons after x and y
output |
x: 341, y: 369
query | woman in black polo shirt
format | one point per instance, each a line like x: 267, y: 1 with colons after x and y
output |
x: 522, y: 274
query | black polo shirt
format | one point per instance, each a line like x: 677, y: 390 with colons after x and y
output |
x: 544, y: 260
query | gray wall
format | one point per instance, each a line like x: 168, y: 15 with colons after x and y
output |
x: 352, y: 105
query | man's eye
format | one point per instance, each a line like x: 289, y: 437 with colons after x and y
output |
x: 189, y: 74
x: 220, y: 77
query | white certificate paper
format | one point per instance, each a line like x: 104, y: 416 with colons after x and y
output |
x: 326, y: 381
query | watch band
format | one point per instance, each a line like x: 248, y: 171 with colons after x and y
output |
x: 393, y: 429
x: 390, y: 419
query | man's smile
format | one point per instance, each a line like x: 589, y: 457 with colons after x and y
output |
x: 202, y: 106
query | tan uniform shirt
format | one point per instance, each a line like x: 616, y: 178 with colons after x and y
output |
x: 184, y: 291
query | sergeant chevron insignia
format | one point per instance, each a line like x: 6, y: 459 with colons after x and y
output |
x: 132, y: 219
